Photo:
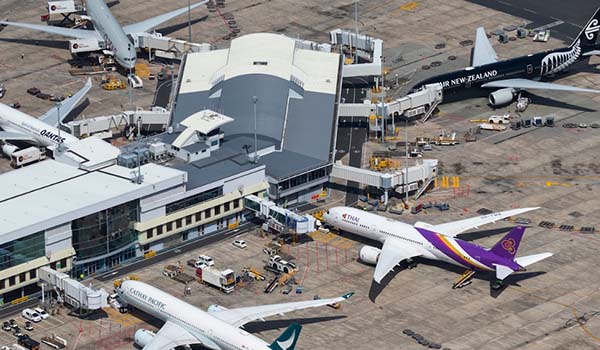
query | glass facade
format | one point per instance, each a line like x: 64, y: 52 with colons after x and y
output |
x: 22, y: 250
x: 106, y: 231
x: 195, y: 199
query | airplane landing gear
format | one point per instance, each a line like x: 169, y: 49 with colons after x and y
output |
x: 411, y: 264
x: 497, y: 284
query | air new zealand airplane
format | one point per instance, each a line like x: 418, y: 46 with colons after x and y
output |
x: 521, y: 73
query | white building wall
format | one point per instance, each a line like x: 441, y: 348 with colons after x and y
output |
x: 58, y: 239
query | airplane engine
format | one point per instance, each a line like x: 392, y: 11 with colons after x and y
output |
x: 215, y: 308
x: 502, y: 97
x: 143, y: 337
x: 369, y: 255
x: 9, y: 149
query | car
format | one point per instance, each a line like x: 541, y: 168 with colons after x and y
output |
x: 13, y: 323
x: 17, y: 332
x: 43, y: 96
x: 240, y: 243
x: 6, y: 326
x: 583, y: 125
x: 56, y: 98
x: 28, y: 326
x: 31, y: 315
x: 33, y: 91
x: 135, y: 81
x: 206, y: 260
x: 2, y: 91
x: 117, y: 304
x: 43, y: 314
x: 15, y: 105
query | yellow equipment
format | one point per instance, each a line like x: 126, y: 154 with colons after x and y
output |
x: 114, y: 84
x: 379, y: 163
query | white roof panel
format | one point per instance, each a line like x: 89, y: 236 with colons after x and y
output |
x: 72, y: 194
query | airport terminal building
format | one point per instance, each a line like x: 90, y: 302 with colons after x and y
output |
x: 85, y: 220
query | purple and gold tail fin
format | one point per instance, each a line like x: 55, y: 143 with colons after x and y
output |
x: 509, y: 244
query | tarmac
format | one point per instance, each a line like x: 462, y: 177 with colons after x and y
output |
x: 553, y: 305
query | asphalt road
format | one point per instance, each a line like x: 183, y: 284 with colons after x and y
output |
x: 574, y: 14
x: 162, y: 93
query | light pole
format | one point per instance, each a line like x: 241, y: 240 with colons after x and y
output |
x: 189, y: 22
x: 254, y: 100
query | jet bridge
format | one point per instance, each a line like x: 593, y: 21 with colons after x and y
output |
x: 416, y: 178
x: 72, y: 291
x: 167, y: 47
x: 280, y: 219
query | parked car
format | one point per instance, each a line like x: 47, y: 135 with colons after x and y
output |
x: 42, y: 312
x: 43, y: 96
x: 15, y: 105
x: 6, y: 326
x: 57, y: 98
x: 28, y: 326
x: 31, y: 315
x: 240, y: 243
x: 13, y: 323
x: 206, y: 260
x: 33, y: 91
x: 17, y: 332
x: 135, y: 81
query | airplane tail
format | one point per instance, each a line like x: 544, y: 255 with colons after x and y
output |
x: 589, y: 33
x: 287, y: 340
x: 507, y: 247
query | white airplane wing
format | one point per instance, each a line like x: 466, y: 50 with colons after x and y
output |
x: 150, y: 23
x: 483, y: 53
x: 68, y: 32
x: 240, y: 316
x: 171, y: 336
x: 392, y: 253
x: 51, y: 117
x: 457, y: 227
x: 527, y: 84
x: 15, y: 136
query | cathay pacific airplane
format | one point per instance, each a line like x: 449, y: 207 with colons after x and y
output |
x: 218, y: 329
x: 402, y: 242
x: 108, y: 33
x: 42, y: 131
x: 506, y: 78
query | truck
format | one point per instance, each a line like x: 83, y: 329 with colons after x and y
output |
x: 27, y: 156
x: 222, y: 279
x: 278, y: 265
x: 171, y: 270
x: 28, y: 343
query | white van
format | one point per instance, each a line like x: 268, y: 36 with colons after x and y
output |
x: 206, y: 260
x: 31, y: 315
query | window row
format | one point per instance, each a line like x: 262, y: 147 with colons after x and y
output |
x: 194, y: 218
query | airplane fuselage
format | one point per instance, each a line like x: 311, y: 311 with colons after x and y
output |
x: 112, y: 33
x: 433, y: 245
x: 532, y: 66
x: 198, y: 323
x: 42, y: 133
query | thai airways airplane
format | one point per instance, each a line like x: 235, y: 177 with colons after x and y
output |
x: 402, y: 242
x: 510, y: 76
x: 108, y: 33
x: 43, y: 131
x: 218, y: 329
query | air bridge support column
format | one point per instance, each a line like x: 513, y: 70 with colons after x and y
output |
x: 386, y: 185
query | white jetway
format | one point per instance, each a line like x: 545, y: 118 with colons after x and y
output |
x: 72, y: 291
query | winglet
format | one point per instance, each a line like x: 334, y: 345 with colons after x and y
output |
x: 287, y: 340
x: 348, y: 295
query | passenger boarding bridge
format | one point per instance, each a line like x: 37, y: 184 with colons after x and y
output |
x: 279, y: 219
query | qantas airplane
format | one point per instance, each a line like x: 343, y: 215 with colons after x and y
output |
x: 402, y: 242
x: 217, y: 329
x: 509, y: 77
x: 43, y: 131
x: 108, y: 33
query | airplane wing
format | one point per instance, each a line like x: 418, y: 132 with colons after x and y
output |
x: 150, y: 23
x: 392, y: 253
x: 527, y: 84
x: 457, y: 227
x: 240, y: 316
x: 171, y: 336
x: 483, y: 53
x: 15, y: 136
x: 68, y: 32
x: 66, y: 106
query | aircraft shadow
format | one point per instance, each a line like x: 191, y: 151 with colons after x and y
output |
x: 550, y: 102
x: 377, y: 288
x: 76, y: 110
x: 55, y: 44
x: 175, y: 27
x: 513, y: 280
x: 260, y: 326
x: 471, y: 236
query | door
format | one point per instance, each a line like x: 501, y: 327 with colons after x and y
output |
x: 529, y: 69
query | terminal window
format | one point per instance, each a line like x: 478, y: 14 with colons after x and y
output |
x: 193, y: 200
x: 188, y: 220
x: 217, y: 210
x: 226, y: 206
x: 159, y: 230
x: 32, y: 274
x: 198, y: 216
x: 169, y: 226
x: 236, y: 203
x: 22, y: 277
x: 150, y: 233
x: 11, y: 281
x: 207, y: 213
x: 2, y: 284
x: 22, y: 250
x: 179, y: 223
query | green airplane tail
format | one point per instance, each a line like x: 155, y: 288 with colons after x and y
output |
x: 287, y: 340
